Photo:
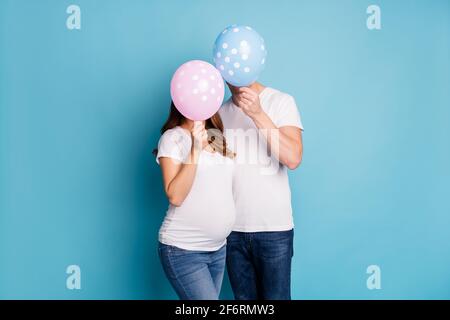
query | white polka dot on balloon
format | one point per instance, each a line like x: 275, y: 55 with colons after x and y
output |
x: 203, y: 85
x: 237, y: 65
x: 244, y: 56
x: 234, y: 51
x: 247, y: 69
x: 227, y: 59
x: 195, y: 77
x: 236, y: 30
x: 225, y: 45
x: 230, y: 72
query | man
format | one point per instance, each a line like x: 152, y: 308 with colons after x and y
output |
x: 260, y: 248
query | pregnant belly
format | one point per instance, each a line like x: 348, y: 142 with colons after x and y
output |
x: 217, y: 228
x: 209, y: 227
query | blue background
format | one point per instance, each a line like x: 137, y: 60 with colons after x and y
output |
x: 80, y: 113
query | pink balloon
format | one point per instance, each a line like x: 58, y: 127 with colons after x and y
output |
x: 197, y: 90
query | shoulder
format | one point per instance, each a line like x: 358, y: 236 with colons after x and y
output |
x: 174, y: 143
x: 276, y: 97
x: 281, y: 108
x: 174, y: 136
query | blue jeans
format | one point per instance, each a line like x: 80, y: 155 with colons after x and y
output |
x: 259, y: 264
x: 195, y: 275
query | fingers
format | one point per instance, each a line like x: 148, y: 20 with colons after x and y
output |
x: 199, y: 132
x: 200, y: 135
x: 198, y: 125
x: 246, y: 96
x: 244, y: 100
x: 248, y: 91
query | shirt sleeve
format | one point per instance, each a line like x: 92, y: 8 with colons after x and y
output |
x: 172, y: 145
x: 288, y: 114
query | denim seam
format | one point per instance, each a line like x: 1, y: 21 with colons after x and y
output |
x: 180, y: 283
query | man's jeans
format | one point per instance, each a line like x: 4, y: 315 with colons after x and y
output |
x: 195, y: 275
x: 259, y: 264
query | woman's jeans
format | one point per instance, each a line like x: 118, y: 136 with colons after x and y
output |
x: 195, y: 275
x: 259, y: 264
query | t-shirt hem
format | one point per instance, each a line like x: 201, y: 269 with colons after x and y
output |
x: 192, y: 248
x: 296, y: 125
x: 167, y: 156
x: 263, y: 228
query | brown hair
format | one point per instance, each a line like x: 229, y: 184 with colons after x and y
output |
x: 213, y: 126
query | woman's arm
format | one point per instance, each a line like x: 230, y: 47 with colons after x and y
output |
x: 178, y: 177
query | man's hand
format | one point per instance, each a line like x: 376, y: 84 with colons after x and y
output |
x: 248, y: 100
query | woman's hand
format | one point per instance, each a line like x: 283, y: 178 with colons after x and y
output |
x: 199, y: 137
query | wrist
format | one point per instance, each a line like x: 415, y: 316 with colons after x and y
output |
x: 195, y: 152
x: 258, y: 117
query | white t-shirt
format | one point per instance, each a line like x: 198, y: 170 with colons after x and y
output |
x: 206, y: 216
x: 260, y: 184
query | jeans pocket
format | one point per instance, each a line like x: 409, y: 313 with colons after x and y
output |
x: 166, y: 261
x: 234, y: 237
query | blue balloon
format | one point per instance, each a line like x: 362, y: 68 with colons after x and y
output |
x: 239, y: 55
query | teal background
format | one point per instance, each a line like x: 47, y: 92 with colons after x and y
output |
x: 80, y: 113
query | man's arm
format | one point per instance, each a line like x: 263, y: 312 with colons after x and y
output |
x: 285, y: 143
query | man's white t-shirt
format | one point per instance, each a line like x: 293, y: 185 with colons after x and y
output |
x: 260, y: 182
x: 206, y: 216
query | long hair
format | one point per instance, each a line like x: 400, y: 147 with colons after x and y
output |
x: 213, y: 126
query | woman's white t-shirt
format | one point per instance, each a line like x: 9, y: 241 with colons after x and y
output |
x: 206, y: 216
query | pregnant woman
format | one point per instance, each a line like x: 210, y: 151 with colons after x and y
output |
x: 197, y: 172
